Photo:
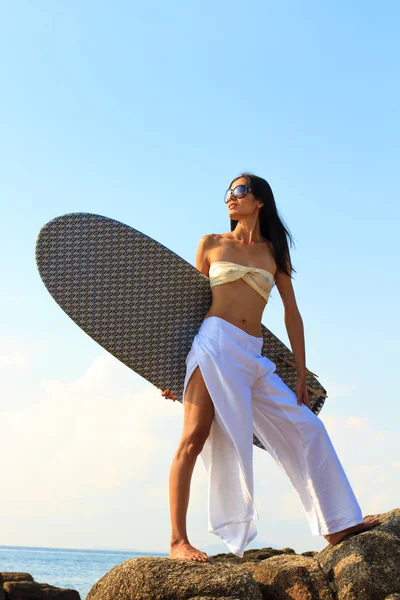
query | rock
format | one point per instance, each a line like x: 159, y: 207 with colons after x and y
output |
x: 6, y: 576
x: 255, y: 554
x: 288, y: 577
x: 151, y: 578
x: 21, y: 586
x: 15, y: 576
x: 30, y: 590
x: 365, y: 566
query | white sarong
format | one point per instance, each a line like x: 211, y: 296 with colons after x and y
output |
x: 248, y: 396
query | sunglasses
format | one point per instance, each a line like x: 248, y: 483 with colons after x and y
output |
x: 240, y: 191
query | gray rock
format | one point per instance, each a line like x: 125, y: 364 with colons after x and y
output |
x: 155, y: 578
x: 309, y: 553
x: 365, y: 566
x: 290, y: 577
x: 30, y: 590
x: 255, y: 554
x: 15, y: 576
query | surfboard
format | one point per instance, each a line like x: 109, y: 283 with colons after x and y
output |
x: 138, y: 299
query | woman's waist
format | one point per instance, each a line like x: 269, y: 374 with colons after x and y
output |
x: 249, y: 323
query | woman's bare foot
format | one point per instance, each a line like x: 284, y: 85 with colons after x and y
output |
x: 335, y: 538
x: 185, y: 551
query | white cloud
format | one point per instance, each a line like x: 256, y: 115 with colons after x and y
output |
x: 17, y: 353
x: 90, y: 455
x: 11, y: 345
x: 15, y: 359
x: 382, y: 434
x: 290, y: 507
x: 366, y: 453
x: 368, y: 468
x: 337, y: 390
x: 330, y: 422
x: 357, y: 422
x: 77, y: 437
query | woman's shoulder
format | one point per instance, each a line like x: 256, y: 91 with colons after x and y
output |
x: 212, y: 239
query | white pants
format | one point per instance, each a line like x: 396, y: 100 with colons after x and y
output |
x: 248, y: 396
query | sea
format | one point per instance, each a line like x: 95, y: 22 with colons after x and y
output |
x: 65, y: 567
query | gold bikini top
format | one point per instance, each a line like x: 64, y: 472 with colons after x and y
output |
x: 223, y: 271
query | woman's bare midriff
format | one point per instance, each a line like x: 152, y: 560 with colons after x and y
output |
x: 236, y: 301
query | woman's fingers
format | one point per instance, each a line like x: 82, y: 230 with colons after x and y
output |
x: 169, y: 394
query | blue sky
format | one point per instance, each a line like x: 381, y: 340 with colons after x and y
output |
x: 144, y: 112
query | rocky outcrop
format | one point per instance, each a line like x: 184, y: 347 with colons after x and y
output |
x: 283, y: 577
x: 21, y: 586
x: 364, y: 566
x: 148, y: 577
x: 13, y: 576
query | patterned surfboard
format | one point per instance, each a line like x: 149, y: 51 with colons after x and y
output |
x: 139, y: 300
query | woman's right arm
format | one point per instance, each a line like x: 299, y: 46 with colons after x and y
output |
x: 202, y: 265
x: 202, y: 254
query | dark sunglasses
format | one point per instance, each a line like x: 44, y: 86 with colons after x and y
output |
x: 240, y: 191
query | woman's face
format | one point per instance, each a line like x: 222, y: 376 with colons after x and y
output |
x: 240, y: 207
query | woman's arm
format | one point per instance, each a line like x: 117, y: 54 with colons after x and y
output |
x: 295, y: 330
x: 202, y: 261
x: 293, y: 321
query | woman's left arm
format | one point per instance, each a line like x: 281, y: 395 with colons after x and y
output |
x: 295, y: 330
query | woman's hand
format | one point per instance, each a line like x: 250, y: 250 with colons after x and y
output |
x: 301, y: 392
x: 168, y: 394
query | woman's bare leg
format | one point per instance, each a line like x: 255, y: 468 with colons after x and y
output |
x: 198, y: 417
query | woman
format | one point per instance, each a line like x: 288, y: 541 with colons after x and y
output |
x: 231, y: 390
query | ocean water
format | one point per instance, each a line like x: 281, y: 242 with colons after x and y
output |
x: 64, y: 567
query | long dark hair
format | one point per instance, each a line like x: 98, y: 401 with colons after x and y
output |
x: 272, y: 226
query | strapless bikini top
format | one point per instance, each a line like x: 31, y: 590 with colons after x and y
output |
x: 223, y: 271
